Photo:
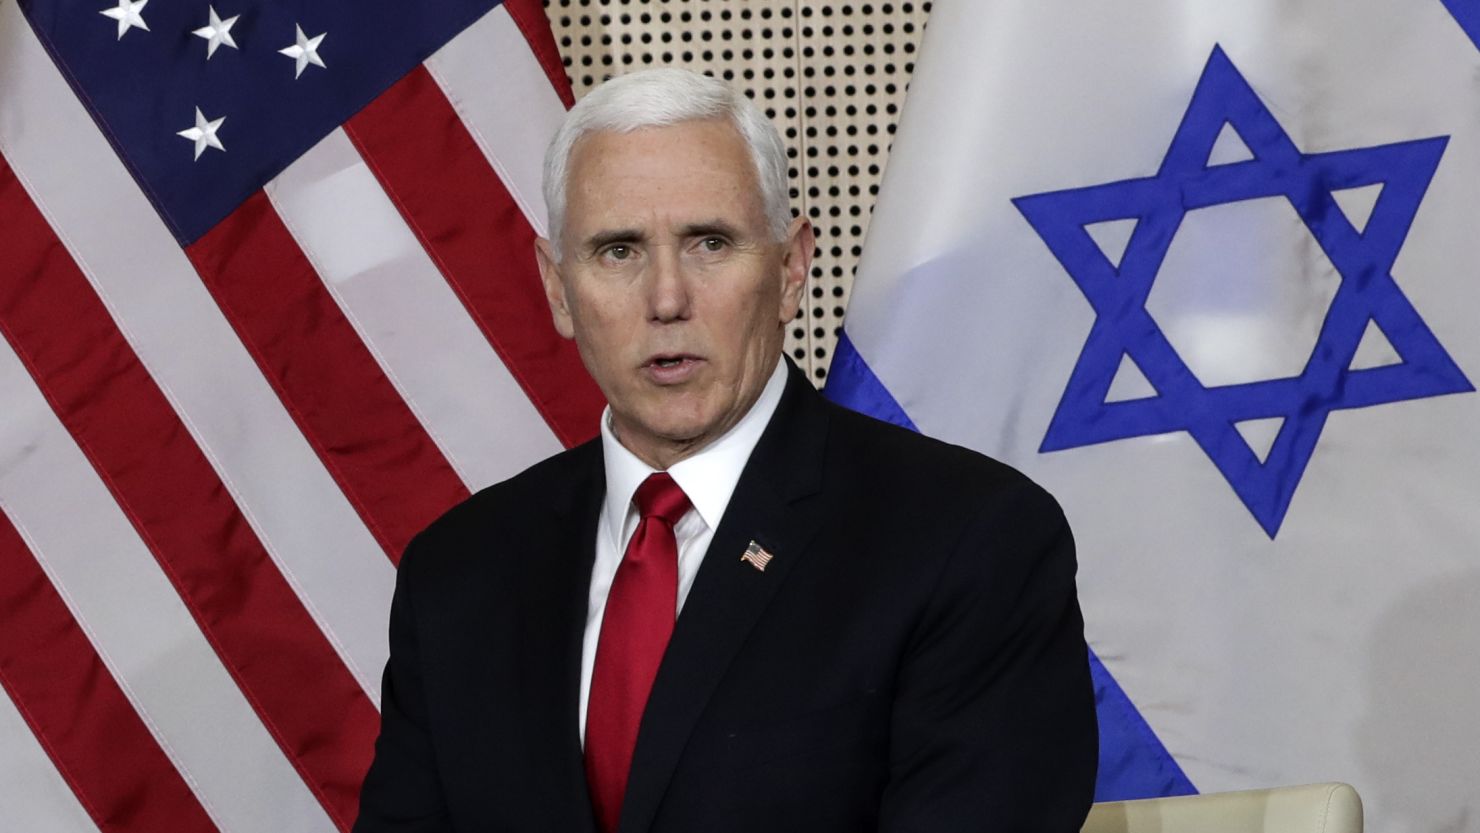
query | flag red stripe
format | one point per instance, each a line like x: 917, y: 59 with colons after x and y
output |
x: 162, y: 481
x: 460, y: 210
x: 75, y: 707
x: 369, y: 440
x: 529, y: 16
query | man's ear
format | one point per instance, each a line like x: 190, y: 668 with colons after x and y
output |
x: 796, y: 264
x: 554, y: 287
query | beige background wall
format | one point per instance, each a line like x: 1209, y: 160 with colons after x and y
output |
x: 832, y: 76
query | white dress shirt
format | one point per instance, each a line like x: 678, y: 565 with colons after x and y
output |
x: 708, y: 478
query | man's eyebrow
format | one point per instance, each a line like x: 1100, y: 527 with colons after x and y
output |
x: 606, y: 238
x: 710, y: 227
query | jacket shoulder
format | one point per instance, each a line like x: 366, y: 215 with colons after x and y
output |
x: 543, y: 497
x: 907, y: 465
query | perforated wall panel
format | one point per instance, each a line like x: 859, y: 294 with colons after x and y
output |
x: 831, y: 75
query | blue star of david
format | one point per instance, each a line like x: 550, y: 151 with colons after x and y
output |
x: 1367, y: 292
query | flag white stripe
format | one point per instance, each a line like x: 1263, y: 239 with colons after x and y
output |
x: 489, y: 74
x: 406, y: 313
x: 137, y: 623
x: 170, y: 320
x: 34, y: 796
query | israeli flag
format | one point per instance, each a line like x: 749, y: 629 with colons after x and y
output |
x: 1210, y: 273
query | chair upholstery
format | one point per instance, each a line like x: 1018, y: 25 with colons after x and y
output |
x: 1313, y: 808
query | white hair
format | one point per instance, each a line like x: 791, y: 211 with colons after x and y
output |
x: 661, y: 97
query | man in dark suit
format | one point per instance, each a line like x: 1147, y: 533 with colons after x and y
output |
x: 874, y: 630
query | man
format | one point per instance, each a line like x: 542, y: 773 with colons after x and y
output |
x: 874, y: 630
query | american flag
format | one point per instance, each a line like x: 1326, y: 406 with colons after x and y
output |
x: 757, y: 556
x: 269, y: 304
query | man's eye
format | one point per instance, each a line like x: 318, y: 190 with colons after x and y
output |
x: 712, y: 244
x: 619, y: 252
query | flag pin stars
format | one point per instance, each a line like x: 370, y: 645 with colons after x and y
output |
x: 217, y: 32
x: 204, y: 133
x: 129, y: 15
x: 305, y: 50
x: 757, y: 556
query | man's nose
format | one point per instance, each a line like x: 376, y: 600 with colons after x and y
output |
x: 668, y: 286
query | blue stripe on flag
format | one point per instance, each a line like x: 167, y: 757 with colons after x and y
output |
x: 1467, y: 15
x: 851, y: 384
x: 1133, y: 761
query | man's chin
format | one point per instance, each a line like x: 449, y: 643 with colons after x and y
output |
x: 664, y: 430
x: 684, y: 435
x: 678, y: 414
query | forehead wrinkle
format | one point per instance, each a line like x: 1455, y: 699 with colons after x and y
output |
x: 624, y: 182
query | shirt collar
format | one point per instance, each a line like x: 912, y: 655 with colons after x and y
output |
x: 708, y: 477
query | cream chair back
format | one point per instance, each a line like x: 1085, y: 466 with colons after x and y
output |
x: 1313, y: 808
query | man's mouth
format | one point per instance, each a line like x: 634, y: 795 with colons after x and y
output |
x: 671, y: 359
x: 671, y: 368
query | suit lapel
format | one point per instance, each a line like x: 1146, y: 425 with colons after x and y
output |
x: 553, y: 597
x: 768, y: 506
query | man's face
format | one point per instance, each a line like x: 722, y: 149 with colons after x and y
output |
x: 671, y: 284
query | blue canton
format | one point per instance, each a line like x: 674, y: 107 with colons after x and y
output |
x: 207, y: 100
x: 1328, y: 382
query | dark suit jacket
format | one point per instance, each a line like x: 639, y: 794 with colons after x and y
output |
x: 911, y: 660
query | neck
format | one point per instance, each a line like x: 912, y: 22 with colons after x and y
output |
x: 662, y: 456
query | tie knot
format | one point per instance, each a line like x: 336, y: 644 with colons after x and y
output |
x: 660, y: 497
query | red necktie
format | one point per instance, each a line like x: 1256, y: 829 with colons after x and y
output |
x: 640, y: 610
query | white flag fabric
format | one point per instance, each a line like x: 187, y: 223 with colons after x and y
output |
x: 1208, y: 272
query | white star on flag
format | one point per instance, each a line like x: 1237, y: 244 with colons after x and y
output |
x: 204, y: 133
x: 305, y: 51
x: 217, y: 32
x: 127, y: 13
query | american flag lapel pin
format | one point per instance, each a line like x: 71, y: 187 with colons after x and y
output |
x: 757, y: 556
